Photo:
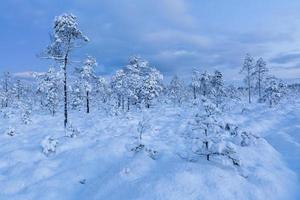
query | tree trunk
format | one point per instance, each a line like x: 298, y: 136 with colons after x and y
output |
x: 65, y: 92
x: 123, y: 103
x: 249, y: 85
x: 194, y: 90
x: 119, y: 101
x: 259, y: 86
x: 87, y: 102
x: 128, y: 104
x: 207, y: 157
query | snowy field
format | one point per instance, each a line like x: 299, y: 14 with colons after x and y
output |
x: 98, y: 163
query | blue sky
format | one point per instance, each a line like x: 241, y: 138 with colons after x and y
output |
x: 174, y: 35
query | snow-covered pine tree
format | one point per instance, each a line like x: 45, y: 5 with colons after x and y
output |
x: 141, y: 82
x: 6, y: 89
x: 118, y: 86
x: 65, y: 37
x: 273, y: 91
x: 247, y: 69
x: 176, y: 90
x: 205, y: 85
x: 152, y: 86
x: 259, y: 73
x: 76, y: 95
x: 207, y: 136
x: 49, y: 85
x: 218, y: 91
x: 88, y: 78
x: 132, y: 81
x: 196, y: 82
x: 102, y: 89
x: 18, y: 89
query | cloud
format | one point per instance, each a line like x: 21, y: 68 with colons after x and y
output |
x: 26, y: 74
x: 286, y: 58
x: 175, y: 35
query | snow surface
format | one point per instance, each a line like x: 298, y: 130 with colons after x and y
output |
x: 98, y: 163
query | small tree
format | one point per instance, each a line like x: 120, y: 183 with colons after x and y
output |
x: 76, y: 95
x: 218, y: 90
x: 88, y: 78
x: 248, y: 67
x: 118, y: 86
x: 260, y: 73
x: 49, y: 86
x: 176, y: 90
x: 6, y: 89
x: 196, y: 82
x: 102, y: 89
x: 208, y: 136
x: 65, y: 37
x: 205, y: 86
x: 273, y: 91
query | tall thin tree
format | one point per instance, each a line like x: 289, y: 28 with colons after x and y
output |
x: 65, y: 37
x: 260, y: 73
x: 248, y: 67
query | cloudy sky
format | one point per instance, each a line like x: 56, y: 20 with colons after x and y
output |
x: 174, y: 35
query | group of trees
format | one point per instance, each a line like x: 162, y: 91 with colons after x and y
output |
x: 136, y: 84
x: 258, y: 81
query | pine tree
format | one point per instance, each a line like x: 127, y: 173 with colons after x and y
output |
x: 76, y: 95
x: 248, y: 67
x: 205, y: 85
x: 65, y: 37
x: 88, y: 78
x: 118, y: 86
x: 176, y: 90
x: 6, y: 89
x: 196, y: 82
x: 273, y: 91
x: 138, y: 82
x: 208, y: 137
x: 102, y: 89
x: 260, y: 73
x: 217, y: 89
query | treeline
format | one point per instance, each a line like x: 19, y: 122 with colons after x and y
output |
x: 138, y: 84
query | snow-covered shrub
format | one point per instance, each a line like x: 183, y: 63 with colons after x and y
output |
x: 207, y: 136
x: 25, y: 116
x: 25, y: 113
x: 11, y: 131
x: 49, y: 145
x: 139, y: 145
x: 143, y: 127
x: 241, y: 138
x: 274, y: 91
x: 7, y: 113
x: 71, y: 131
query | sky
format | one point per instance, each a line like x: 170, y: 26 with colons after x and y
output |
x: 174, y: 35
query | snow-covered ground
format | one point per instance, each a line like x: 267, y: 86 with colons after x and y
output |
x: 98, y: 163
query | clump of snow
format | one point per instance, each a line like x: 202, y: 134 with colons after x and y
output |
x: 71, y: 131
x: 49, y: 145
x: 11, y: 131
